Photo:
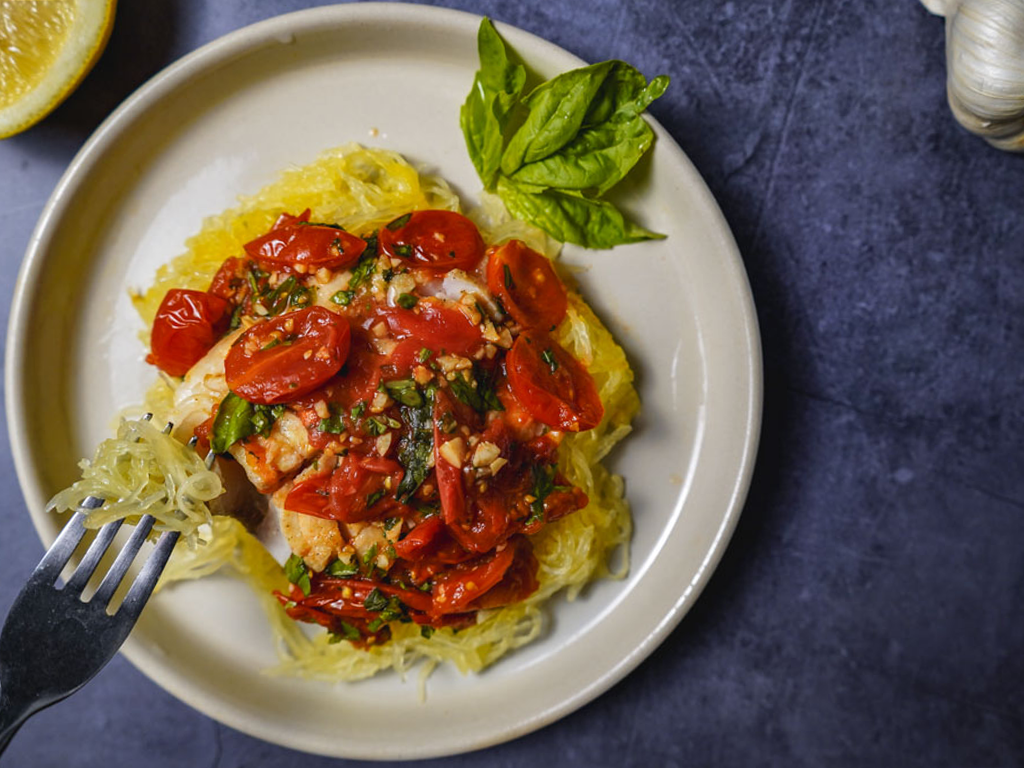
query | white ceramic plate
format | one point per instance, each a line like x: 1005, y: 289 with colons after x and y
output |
x: 223, y: 122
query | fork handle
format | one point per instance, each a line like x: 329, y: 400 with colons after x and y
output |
x: 12, y: 715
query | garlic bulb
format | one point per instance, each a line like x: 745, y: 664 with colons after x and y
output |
x: 985, y: 67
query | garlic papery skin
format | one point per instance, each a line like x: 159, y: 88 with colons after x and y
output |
x: 985, y: 67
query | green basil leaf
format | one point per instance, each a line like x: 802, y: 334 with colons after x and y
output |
x: 416, y: 448
x: 339, y: 567
x: 404, y: 391
x: 495, y: 92
x: 297, y: 573
x: 557, y: 109
x: 570, y: 217
x: 596, y: 159
x: 375, y: 601
x: 613, y: 139
x: 232, y: 423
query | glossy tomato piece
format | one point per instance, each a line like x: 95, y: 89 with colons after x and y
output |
x: 436, y: 325
x: 362, y: 488
x: 527, y: 285
x: 435, y: 240
x: 476, y: 527
x: 309, y: 496
x: 229, y: 280
x: 187, y: 324
x: 281, y: 359
x: 421, y: 540
x: 294, y: 242
x: 457, y: 588
x: 552, y: 385
x: 517, y: 583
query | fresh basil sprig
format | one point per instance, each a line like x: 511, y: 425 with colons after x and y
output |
x: 552, y: 154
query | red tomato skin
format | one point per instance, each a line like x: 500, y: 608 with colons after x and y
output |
x: 187, y: 324
x: 355, y: 480
x: 435, y: 325
x: 421, y: 540
x: 517, y: 583
x: 283, y: 373
x: 309, y: 496
x: 564, y: 398
x: 229, y: 280
x: 527, y: 285
x: 294, y: 242
x: 476, y: 525
x: 449, y: 477
x: 436, y: 240
x: 455, y: 589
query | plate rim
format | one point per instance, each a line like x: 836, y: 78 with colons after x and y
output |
x: 222, y: 51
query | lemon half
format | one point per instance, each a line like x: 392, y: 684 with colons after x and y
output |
x: 46, y: 48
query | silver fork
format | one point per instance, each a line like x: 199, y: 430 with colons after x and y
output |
x: 53, y: 642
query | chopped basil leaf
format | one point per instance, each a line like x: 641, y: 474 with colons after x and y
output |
x: 374, y: 625
x: 400, y: 222
x: 406, y: 300
x: 370, y: 555
x: 345, y: 631
x: 543, y: 485
x: 404, y: 391
x: 367, y: 264
x: 339, y: 567
x: 425, y: 354
x: 236, y: 318
x: 333, y: 424
x: 374, y: 497
x: 357, y: 410
x: 375, y: 427
x: 297, y: 573
x: 483, y: 397
x: 232, y: 423
x: 376, y: 601
x: 404, y: 250
x: 264, y: 416
x: 509, y: 283
x: 287, y: 295
x: 343, y: 298
x: 549, y: 357
x: 416, y: 448
x: 426, y: 631
x: 390, y: 523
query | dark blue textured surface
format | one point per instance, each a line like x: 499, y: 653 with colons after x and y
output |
x: 868, y: 611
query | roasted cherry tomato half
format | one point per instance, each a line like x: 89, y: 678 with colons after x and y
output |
x: 309, y: 496
x: 435, y: 325
x: 476, y: 527
x: 527, y: 285
x: 517, y: 583
x: 230, y: 279
x: 293, y: 242
x: 281, y: 359
x: 437, y: 240
x: 454, y: 590
x: 421, y: 540
x: 552, y: 385
x: 363, y: 488
x: 188, y: 323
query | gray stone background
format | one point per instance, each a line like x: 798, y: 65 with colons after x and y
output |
x: 868, y: 610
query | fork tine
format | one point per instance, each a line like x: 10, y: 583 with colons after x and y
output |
x: 92, y: 557
x: 144, y: 583
x: 124, y: 559
x: 63, y: 547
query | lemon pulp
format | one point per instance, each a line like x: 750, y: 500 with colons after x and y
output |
x: 46, y: 48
